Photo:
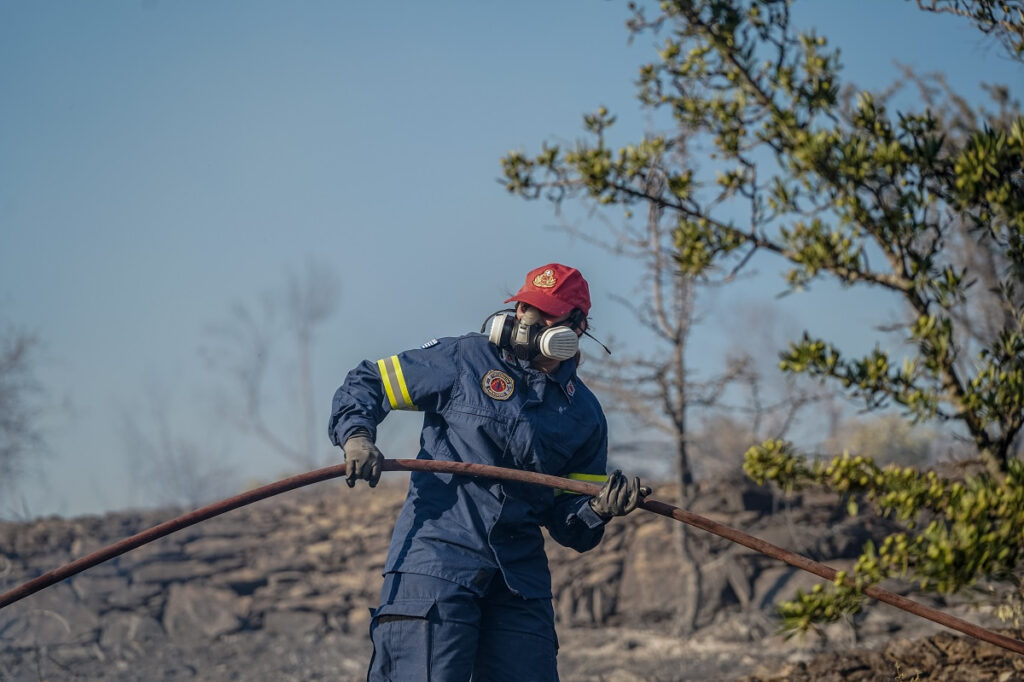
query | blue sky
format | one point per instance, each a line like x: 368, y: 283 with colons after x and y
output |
x: 162, y: 160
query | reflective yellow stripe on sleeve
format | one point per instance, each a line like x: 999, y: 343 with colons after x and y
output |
x: 401, y: 383
x: 394, y: 383
x: 590, y: 478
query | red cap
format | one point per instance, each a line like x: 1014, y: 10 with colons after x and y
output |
x: 555, y: 289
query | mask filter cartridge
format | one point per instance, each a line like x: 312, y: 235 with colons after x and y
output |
x: 528, y: 338
x: 558, y: 343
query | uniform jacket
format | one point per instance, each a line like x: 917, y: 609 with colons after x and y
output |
x: 482, y: 405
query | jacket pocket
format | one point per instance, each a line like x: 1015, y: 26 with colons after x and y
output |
x: 484, y: 430
x: 558, y: 440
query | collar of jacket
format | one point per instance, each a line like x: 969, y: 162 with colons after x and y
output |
x: 564, y: 376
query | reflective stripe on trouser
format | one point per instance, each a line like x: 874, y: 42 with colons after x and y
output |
x: 427, y: 628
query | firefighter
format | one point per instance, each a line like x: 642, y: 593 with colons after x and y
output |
x: 467, y: 591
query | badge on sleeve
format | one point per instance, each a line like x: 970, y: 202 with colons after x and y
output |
x: 428, y: 344
x: 498, y: 385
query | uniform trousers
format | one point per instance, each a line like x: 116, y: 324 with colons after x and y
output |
x: 427, y: 628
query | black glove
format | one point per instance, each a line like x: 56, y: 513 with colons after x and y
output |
x: 362, y: 460
x: 618, y: 496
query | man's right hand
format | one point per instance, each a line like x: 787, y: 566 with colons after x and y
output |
x: 362, y: 460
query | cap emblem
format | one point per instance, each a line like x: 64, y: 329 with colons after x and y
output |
x: 498, y: 385
x: 545, y: 280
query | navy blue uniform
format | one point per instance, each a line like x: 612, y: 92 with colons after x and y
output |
x: 482, y: 537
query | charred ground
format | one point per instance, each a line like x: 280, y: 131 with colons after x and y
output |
x: 281, y: 590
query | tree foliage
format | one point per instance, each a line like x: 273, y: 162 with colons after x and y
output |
x: 767, y: 154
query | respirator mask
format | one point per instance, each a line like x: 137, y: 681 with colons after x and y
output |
x: 529, y: 337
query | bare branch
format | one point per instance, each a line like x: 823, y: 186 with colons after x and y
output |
x: 247, y: 344
x: 1003, y: 19
x: 20, y: 408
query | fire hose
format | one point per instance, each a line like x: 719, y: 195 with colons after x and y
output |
x: 486, y: 471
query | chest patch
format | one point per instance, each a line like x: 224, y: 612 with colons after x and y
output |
x: 498, y: 385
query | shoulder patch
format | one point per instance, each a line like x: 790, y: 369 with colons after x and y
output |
x: 428, y: 344
x: 498, y: 385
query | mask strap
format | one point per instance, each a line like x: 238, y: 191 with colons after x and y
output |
x: 483, y: 327
x: 576, y: 319
x: 606, y: 348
